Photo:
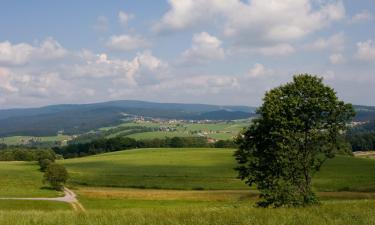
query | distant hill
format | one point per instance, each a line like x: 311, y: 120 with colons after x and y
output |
x: 364, y: 113
x: 75, y: 119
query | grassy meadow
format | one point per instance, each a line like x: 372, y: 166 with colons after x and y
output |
x: 180, y: 187
x: 23, y: 179
x: 157, y: 169
x: 332, y: 213
x: 22, y: 140
x: 218, y: 130
x: 201, y: 169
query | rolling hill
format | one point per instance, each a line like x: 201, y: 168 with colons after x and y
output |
x: 81, y: 118
x: 76, y: 119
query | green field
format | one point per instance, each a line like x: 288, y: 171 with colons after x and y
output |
x: 157, y: 168
x: 23, y: 205
x: 160, y: 135
x: 172, y: 175
x: 219, y: 130
x: 201, y: 169
x: 22, y: 179
x: 22, y: 140
x: 332, y: 213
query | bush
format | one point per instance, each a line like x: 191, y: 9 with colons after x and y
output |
x: 56, y: 175
x: 44, y: 163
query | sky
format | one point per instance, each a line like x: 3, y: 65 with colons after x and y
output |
x: 225, y: 52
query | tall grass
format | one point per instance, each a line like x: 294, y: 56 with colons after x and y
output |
x: 334, y: 213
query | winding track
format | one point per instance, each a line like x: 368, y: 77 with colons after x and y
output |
x: 69, y: 197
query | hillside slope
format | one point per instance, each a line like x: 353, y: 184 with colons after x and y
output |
x: 75, y: 119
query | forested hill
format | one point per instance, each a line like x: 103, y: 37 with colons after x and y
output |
x: 75, y: 119
x: 364, y: 113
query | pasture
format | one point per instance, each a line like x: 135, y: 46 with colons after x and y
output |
x: 24, y: 140
x: 180, y: 186
x: 332, y: 213
x: 201, y: 169
x: 216, y: 130
x: 23, y: 179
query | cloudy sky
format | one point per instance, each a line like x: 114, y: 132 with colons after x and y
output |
x: 200, y: 51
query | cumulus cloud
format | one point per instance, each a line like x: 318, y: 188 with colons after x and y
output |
x: 17, y: 54
x: 126, y: 42
x: 362, y: 17
x: 23, y: 53
x: 205, y: 48
x: 259, y: 70
x: 143, y: 69
x: 124, y: 18
x: 366, y: 50
x: 6, y: 82
x: 253, y: 21
x: 335, y: 42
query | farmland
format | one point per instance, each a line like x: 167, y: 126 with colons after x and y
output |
x: 174, y: 128
x: 25, y: 140
x: 146, y: 186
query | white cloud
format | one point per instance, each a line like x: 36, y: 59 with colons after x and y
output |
x: 23, y: 53
x: 142, y: 70
x: 6, y: 82
x: 124, y: 18
x: 259, y: 70
x: 253, y: 21
x: 126, y: 42
x: 51, y: 49
x: 335, y: 42
x: 17, y: 54
x: 336, y: 58
x: 362, y: 17
x: 366, y: 50
x: 205, y: 47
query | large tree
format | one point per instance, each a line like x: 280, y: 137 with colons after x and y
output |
x: 297, y: 130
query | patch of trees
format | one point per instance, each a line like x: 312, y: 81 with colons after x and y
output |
x: 23, y: 154
x: 103, y: 145
x: 56, y: 176
x: 362, y: 141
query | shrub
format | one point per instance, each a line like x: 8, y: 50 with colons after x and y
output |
x: 56, y: 175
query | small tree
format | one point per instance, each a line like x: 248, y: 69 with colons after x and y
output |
x: 297, y: 130
x: 56, y: 175
x: 44, y: 163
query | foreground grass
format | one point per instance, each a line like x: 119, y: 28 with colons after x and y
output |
x: 208, y: 169
x: 22, y: 179
x: 22, y: 205
x: 332, y: 213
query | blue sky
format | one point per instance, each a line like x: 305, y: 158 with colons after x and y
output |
x: 201, y: 51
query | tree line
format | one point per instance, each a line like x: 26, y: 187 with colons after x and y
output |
x: 104, y: 145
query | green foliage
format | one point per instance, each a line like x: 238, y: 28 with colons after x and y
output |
x: 44, y: 163
x: 25, y: 154
x: 122, y: 143
x: 297, y: 130
x: 56, y: 175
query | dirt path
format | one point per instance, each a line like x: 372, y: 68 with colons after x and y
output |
x: 69, y: 197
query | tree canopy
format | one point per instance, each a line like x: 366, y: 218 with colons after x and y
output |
x: 297, y: 130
